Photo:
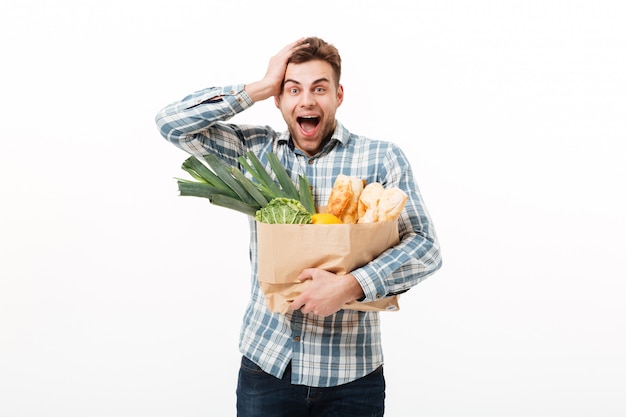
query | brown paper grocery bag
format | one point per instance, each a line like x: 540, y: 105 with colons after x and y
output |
x: 286, y: 249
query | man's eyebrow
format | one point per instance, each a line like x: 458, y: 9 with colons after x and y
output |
x: 319, y: 80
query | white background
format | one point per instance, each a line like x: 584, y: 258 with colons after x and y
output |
x: 120, y: 298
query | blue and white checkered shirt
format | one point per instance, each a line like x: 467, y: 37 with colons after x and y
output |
x: 324, y: 351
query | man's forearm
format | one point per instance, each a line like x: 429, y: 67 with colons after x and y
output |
x: 260, y: 90
x: 199, y: 111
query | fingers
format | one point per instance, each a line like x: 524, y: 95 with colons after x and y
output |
x: 285, y: 53
x: 293, y: 46
x: 314, y: 297
x: 272, y: 81
x: 306, y: 274
x: 296, y: 304
x: 282, y: 57
x: 300, y: 301
x: 299, y: 304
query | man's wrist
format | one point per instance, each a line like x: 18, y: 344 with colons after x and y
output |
x: 259, y: 90
x: 355, y: 290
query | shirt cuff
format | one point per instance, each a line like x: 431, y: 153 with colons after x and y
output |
x: 237, y: 97
x: 372, y: 290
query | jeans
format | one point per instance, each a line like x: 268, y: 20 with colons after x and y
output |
x: 262, y: 395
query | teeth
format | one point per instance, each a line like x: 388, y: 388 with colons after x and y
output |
x: 308, y: 123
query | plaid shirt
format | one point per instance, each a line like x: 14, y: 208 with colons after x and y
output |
x: 324, y: 351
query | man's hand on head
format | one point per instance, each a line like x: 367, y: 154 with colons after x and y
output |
x: 270, y: 85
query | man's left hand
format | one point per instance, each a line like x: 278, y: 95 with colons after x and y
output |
x: 326, y: 293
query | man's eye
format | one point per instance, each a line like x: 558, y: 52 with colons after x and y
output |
x: 320, y: 89
x: 293, y: 91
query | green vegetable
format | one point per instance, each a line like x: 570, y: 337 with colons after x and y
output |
x: 256, y: 169
x: 306, y: 194
x: 228, y: 187
x: 284, y: 211
x: 283, y: 177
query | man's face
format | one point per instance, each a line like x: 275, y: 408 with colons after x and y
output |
x: 308, y: 102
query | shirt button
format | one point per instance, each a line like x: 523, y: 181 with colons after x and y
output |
x: 311, y: 161
x: 377, y: 295
x: 232, y: 91
x: 297, y: 338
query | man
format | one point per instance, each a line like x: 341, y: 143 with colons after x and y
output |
x: 317, y: 359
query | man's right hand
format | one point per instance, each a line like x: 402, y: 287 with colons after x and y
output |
x: 271, y: 84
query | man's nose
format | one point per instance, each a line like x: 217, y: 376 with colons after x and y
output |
x: 307, y: 98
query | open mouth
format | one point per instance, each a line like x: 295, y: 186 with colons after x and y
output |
x: 308, y: 123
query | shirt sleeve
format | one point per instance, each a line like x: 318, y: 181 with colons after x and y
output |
x: 196, y: 124
x: 418, y: 254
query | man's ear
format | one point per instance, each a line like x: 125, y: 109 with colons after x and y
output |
x: 277, y: 101
x: 339, y: 95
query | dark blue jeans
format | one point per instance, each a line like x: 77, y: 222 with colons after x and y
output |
x: 262, y: 395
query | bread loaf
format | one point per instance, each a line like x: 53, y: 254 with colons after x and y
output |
x: 391, y: 203
x: 368, y: 202
x: 344, y: 198
x: 354, y: 202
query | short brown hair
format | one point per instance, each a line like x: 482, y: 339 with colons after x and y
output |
x: 318, y: 49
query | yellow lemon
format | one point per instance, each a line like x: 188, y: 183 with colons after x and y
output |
x: 325, y: 218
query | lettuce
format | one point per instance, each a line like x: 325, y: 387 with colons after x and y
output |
x: 282, y: 210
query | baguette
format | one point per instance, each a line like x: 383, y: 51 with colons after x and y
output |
x: 354, y: 202
x: 391, y: 203
x: 344, y: 198
x: 368, y: 202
